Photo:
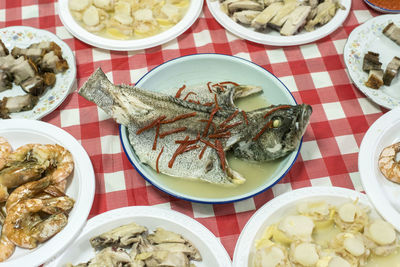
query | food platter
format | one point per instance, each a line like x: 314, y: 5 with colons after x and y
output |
x: 201, y: 68
x: 80, y: 187
x: 382, y: 193
x: 285, y: 204
x: 212, y: 251
x: 369, y: 37
x: 273, y: 37
x: 381, y: 9
x: 23, y: 36
x: 82, y: 34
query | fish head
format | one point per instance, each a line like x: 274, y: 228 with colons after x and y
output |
x: 274, y: 132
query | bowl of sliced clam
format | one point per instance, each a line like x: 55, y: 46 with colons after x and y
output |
x: 124, y: 25
x: 318, y: 226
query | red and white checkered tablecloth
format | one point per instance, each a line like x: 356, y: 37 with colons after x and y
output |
x: 315, y: 73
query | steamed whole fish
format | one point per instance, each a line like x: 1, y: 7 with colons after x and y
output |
x: 187, y: 135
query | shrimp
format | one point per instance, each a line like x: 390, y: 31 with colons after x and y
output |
x: 28, y: 190
x: 5, y: 150
x: 33, y: 161
x: 23, y: 231
x: 388, y: 165
x: 6, y: 248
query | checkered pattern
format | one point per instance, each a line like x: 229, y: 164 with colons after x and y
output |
x: 315, y: 74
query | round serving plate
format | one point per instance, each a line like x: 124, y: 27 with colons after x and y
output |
x: 82, y: 34
x: 383, y: 193
x: 381, y: 9
x: 80, y: 186
x: 283, y: 205
x: 211, y: 250
x: 201, y: 68
x: 23, y: 36
x: 273, y: 37
x: 369, y: 37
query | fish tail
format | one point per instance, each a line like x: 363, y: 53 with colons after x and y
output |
x: 99, y: 90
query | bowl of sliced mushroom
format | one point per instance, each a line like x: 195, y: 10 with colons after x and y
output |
x: 128, y: 25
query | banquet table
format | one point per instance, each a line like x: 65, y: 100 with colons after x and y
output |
x: 315, y: 73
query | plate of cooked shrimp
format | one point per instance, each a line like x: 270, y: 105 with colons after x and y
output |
x: 379, y: 165
x: 46, y: 191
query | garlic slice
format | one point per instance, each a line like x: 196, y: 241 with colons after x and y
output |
x: 347, y: 212
x: 91, y: 16
x: 381, y: 232
x: 298, y: 227
x: 306, y: 254
x: 354, y: 245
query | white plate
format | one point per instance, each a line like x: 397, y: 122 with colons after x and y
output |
x: 284, y: 204
x: 82, y: 34
x: 80, y: 186
x: 273, y: 37
x: 211, y: 250
x: 383, y: 194
x: 197, y: 69
x: 381, y: 9
x: 369, y: 37
x: 23, y: 36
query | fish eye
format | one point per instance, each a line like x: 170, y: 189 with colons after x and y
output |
x: 276, y: 122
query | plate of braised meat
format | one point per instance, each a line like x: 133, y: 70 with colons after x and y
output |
x: 37, y: 72
x: 372, y: 57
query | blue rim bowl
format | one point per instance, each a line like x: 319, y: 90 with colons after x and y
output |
x: 200, y: 68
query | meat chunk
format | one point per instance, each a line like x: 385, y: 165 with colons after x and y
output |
x: 391, y: 71
x: 392, y: 32
x: 375, y: 79
x: 16, y: 104
x: 371, y: 62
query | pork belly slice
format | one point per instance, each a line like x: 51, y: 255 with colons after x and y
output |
x: 34, y: 85
x: 392, y: 32
x: 261, y: 21
x: 23, y: 69
x: 391, y: 71
x: 295, y: 20
x: 371, y: 61
x: 5, y: 80
x: 375, y: 79
x: 53, y: 63
x: 17, y: 104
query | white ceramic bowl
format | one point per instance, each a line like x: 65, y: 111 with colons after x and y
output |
x: 201, y: 68
x: 383, y: 193
x: 82, y: 34
x: 211, y: 250
x: 381, y: 9
x: 81, y: 186
x: 273, y: 37
x: 285, y: 204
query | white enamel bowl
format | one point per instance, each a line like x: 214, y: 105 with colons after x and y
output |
x: 201, y: 68
x: 82, y: 34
